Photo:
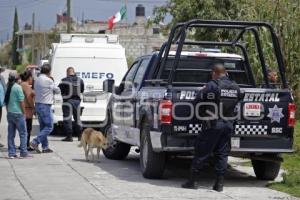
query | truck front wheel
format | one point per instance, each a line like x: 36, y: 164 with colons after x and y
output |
x: 266, y: 170
x: 116, y: 150
x: 152, y: 163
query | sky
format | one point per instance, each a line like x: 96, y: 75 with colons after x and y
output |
x: 46, y: 10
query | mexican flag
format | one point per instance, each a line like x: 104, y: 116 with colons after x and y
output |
x: 117, y: 17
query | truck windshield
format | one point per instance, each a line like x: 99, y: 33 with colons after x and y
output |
x: 197, y: 70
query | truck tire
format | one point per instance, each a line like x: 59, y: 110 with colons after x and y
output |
x: 152, y: 163
x: 116, y: 150
x: 266, y: 170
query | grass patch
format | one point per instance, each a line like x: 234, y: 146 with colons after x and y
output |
x: 291, y: 179
x: 295, y: 190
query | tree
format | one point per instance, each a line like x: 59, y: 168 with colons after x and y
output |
x: 15, y: 53
x: 4, y: 55
x: 182, y: 11
x: 284, y: 15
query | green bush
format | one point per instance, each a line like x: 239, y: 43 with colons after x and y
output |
x: 21, y: 68
x: 291, y: 178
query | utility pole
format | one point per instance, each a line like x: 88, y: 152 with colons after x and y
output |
x: 32, y: 39
x: 126, y: 3
x: 68, y: 16
x: 82, y: 18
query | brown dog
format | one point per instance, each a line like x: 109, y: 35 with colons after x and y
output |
x: 90, y: 139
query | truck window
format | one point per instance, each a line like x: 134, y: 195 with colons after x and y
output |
x: 197, y: 70
x: 130, y: 75
x: 141, y: 72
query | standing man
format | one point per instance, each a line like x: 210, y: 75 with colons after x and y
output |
x: 44, y: 94
x: 71, y: 87
x: 2, y: 95
x: 2, y: 80
x: 14, y: 100
x: 29, y: 94
x: 272, y: 78
x: 216, y: 131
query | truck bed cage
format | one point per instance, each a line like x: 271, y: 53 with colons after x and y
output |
x: 178, y: 36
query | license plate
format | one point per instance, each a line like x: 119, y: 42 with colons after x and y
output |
x: 252, y: 109
x: 89, y: 99
x: 235, y: 142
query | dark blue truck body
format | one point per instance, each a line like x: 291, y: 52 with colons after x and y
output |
x: 155, y: 108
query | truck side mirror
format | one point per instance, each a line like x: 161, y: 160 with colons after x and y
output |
x: 108, y: 85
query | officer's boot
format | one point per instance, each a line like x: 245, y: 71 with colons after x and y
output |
x: 191, y: 183
x: 79, y: 135
x: 218, y: 186
x: 69, y: 138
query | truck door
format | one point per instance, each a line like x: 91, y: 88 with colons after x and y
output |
x: 118, y: 103
x: 130, y: 104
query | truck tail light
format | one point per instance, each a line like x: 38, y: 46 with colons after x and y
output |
x: 165, y: 111
x: 292, y: 114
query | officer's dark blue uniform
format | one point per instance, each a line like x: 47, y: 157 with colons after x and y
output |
x: 216, y: 133
x: 71, y: 87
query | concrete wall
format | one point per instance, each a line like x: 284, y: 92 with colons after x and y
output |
x: 137, y: 38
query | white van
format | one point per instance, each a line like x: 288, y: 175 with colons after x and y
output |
x: 95, y: 58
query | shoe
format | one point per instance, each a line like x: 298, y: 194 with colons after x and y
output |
x: 218, y: 186
x: 12, y: 157
x: 67, y: 139
x: 47, y: 151
x: 191, y: 183
x: 26, y: 156
x: 30, y: 149
x: 35, y: 147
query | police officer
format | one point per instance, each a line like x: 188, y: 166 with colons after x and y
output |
x: 71, y: 87
x: 217, y: 125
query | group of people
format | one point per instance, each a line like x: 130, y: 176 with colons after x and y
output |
x: 25, y: 97
x: 22, y: 102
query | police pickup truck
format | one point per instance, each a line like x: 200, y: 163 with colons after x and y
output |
x: 154, y: 107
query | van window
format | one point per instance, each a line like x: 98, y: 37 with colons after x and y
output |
x: 141, y: 72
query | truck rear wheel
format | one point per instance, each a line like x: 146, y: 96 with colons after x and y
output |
x: 152, y: 163
x: 266, y: 170
x: 116, y: 150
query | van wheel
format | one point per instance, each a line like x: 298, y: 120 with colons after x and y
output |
x: 152, y: 164
x: 115, y: 150
x: 266, y: 170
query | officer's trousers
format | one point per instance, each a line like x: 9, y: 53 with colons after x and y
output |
x: 71, y: 108
x: 214, y: 141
